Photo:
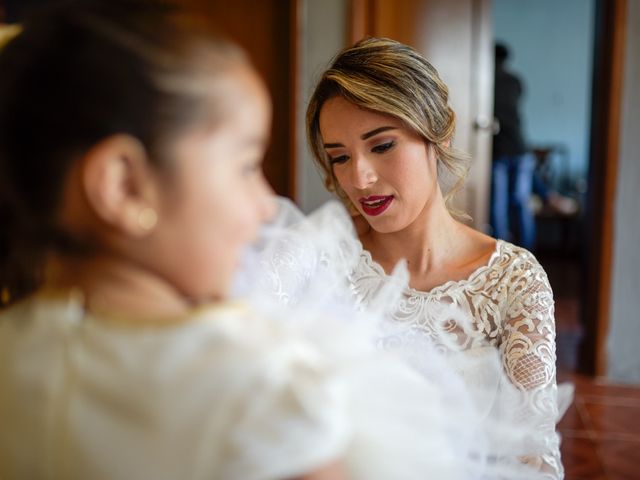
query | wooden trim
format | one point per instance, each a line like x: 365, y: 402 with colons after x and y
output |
x: 295, y: 49
x: 360, y: 20
x: 605, y: 138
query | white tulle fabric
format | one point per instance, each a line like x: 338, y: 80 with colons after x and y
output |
x: 494, y: 331
x: 230, y: 393
x: 269, y: 388
x: 511, y: 306
x: 224, y: 393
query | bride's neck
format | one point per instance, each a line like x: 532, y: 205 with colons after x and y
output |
x: 426, y: 243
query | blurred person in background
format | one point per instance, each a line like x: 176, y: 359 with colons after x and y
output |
x: 512, y: 170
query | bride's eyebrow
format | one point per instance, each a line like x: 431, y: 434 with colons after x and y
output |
x: 376, y: 131
x: 364, y: 136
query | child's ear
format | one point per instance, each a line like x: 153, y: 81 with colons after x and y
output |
x: 120, y: 185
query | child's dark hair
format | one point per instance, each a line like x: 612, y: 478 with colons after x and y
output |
x: 79, y: 72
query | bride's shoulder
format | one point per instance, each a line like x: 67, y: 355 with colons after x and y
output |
x: 518, y: 256
x: 477, y: 238
x: 476, y: 248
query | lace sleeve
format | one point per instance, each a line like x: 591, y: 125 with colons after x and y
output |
x: 528, y: 352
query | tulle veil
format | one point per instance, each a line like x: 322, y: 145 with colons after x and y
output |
x: 420, y: 415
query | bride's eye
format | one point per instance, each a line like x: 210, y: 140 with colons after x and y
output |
x: 338, y: 160
x: 383, y: 147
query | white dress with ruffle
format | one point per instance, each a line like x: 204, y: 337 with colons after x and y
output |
x: 496, y: 328
x: 511, y: 306
x: 223, y: 393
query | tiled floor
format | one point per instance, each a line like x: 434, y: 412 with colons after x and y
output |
x: 601, y: 431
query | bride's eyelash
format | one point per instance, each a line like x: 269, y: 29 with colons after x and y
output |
x: 339, y: 159
x: 383, y: 147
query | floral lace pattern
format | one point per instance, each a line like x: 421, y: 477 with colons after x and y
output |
x: 511, y: 307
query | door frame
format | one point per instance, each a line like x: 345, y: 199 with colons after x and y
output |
x: 608, y: 72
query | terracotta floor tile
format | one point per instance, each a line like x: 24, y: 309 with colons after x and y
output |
x: 601, y: 431
x: 612, y: 417
x: 597, y: 477
x: 599, y: 387
x: 572, y: 421
x: 612, y: 391
x: 600, y: 477
x: 620, y: 459
x: 580, y: 459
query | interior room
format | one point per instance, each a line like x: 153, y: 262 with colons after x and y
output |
x: 579, y: 63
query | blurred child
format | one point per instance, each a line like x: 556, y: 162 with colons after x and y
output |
x: 131, y: 152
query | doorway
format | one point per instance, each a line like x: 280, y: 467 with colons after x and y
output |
x: 550, y: 48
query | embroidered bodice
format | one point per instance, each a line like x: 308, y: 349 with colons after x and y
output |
x: 510, y: 303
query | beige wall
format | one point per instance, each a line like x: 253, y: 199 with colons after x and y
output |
x: 623, y: 343
x: 323, y: 34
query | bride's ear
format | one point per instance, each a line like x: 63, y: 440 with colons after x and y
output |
x: 120, y: 185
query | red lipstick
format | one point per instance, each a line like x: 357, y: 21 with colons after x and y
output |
x: 374, y: 205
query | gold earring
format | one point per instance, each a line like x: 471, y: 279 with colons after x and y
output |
x: 147, y: 218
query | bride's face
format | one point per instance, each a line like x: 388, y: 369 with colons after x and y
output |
x: 387, y: 170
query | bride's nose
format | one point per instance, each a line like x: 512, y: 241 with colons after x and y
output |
x: 363, y: 173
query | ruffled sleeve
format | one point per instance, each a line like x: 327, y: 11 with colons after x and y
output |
x: 284, y: 413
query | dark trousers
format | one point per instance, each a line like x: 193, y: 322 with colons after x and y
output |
x: 511, y: 215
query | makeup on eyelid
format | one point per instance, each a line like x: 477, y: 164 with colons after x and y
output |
x: 379, y: 148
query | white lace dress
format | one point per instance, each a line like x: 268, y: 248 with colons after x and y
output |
x: 496, y: 328
x: 511, y: 306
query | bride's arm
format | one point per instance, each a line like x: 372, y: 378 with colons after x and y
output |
x: 529, y: 356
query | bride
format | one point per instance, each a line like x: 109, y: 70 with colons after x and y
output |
x: 380, y: 128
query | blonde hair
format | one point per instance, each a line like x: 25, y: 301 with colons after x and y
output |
x: 391, y: 78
